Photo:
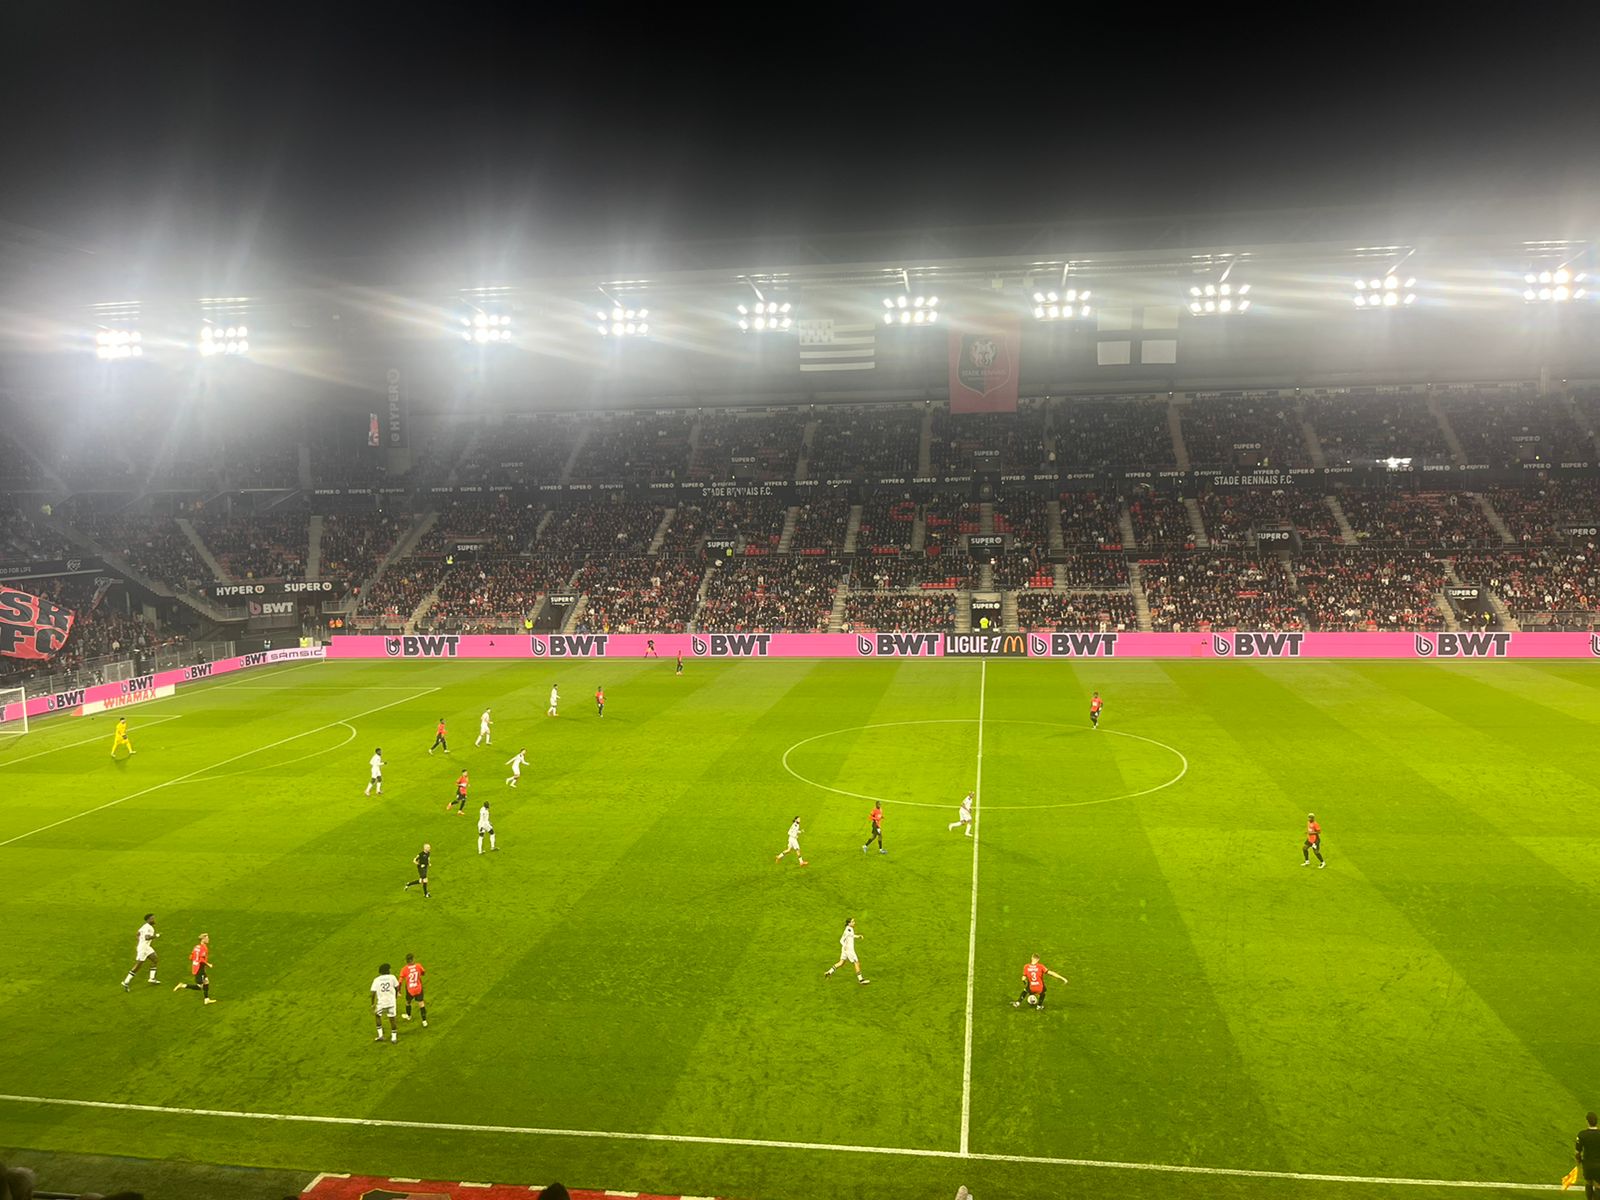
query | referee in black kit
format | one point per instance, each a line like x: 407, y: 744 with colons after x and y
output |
x: 1586, y: 1149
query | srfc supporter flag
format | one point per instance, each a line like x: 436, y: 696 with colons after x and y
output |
x: 32, y: 627
x: 984, y: 353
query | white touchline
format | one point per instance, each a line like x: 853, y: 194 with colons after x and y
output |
x: 99, y: 737
x: 214, y: 766
x: 768, y: 1144
x: 972, y: 927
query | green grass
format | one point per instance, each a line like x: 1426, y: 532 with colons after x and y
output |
x: 633, y: 961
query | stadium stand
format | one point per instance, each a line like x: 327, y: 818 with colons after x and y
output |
x: 1101, y: 434
x: 1095, y: 569
x: 1420, y: 520
x: 1240, y: 433
x: 1545, y: 589
x: 520, y: 450
x: 640, y: 595
x: 649, y: 445
x: 1160, y: 520
x: 354, y: 543
x: 1371, y: 589
x: 1007, y: 442
x: 790, y: 595
x: 258, y: 545
x: 1501, y: 428
x: 1091, y: 519
x: 1366, y: 427
x: 820, y: 526
x: 896, y: 611
x: 1219, y: 591
x: 756, y: 521
x: 1108, y: 612
x: 885, y: 572
x: 1230, y: 517
x: 153, y: 545
x: 762, y: 446
x: 853, y: 442
x: 1543, y: 515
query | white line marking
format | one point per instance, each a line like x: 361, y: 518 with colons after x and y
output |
x: 1182, y: 771
x: 214, y: 766
x: 767, y: 1144
x: 972, y: 928
x: 289, y: 761
x: 99, y: 737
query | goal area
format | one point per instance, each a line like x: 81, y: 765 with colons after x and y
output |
x: 13, y: 712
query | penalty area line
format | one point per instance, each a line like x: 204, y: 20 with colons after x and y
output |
x: 217, y: 766
x: 99, y: 737
x: 769, y: 1144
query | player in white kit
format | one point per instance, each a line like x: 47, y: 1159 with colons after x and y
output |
x: 144, y: 953
x: 847, y: 951
x: 794, y: 843
x: 555, y: 697
x: 376, y: 764
x: 484, y: 827
x: 965, y: 816
x: 385, y: 988
x: 516, y: 764
x: 483, y: 730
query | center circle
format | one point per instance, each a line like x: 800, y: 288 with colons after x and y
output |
x: 1127, y: 777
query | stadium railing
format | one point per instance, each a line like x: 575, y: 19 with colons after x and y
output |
x: 113, y: 667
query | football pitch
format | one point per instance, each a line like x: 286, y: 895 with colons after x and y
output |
x: 629, y: 993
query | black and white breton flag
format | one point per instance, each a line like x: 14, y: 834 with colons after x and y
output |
x: 828, y: 345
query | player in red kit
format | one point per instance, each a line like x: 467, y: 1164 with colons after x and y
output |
x: 199, y: 965
x: 1095, y: 704
x: 411, y: 976
x: 438, y: 739
x: 460, y: 802
x: 1313, y: 843
x: 600, y: 701
x: 1033, y: 989
x: 876, y: 817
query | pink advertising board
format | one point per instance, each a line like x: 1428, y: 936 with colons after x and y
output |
x: 1243, y: 645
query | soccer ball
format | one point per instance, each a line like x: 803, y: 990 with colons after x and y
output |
x: 1032, y: 999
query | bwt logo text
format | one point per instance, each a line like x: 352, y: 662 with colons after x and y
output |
x: 898, y: 645
x: 1257, y: 645
x: 415, y: 646
x: 1463, y: 645
x: 1073, y: 645
x: 731, y: 645
x: 570, y: 645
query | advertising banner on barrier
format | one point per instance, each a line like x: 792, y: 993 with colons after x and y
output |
x: 1042, y: 644
x: 87, y: 701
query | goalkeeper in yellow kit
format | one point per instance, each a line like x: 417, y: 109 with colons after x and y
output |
x: 119, y: 739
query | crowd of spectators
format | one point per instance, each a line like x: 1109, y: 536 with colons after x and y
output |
x: 1242, y: 433
x: 1230, y: 517
x: 1536, y: 581
x: 1025, y: 516
x: 1219, y: 591
x: 1023, y: 568
x: 884, y: 572
x: 820, y: 525
x: 756, y: 521
x: 1364, y: 589
x: 1540, y: 515
x: 1501, y: 428
x: 946, y: 518
x: 18, y: 467
x: 648, y: 445
x: 497, y: 526
x: 1095, y: 569
x: 104, y: 625
x: 520, y: 449
x: 899, y: 611
x: 354, y: 543
x: 640, y: 595
x: 887, y: 521
x: 1160, y: 520
x: 436, y: 449
x: 1101, y: 612
x: 608, y: 526
x: 763, y: 446
x: 852, y: 442
x: 791, y: 595
x: 1427, y: 520
x: 258, y: 545
x: 393, y: 596
x: 1091, y: 519
x: 1363, y: 428
x: 26, y: 538
x: 153, y: 545
x: 1105, y: 434
x: 1007, y: 442
x: 485, y: 595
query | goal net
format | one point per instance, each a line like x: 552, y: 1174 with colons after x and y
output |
x: 13, y: 712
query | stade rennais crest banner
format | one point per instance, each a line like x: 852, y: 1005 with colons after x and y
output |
x: 984, y: 360
x: 32, y: 627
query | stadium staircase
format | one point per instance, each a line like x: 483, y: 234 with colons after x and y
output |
x: 314, y: 547
x: 407, y: 543
x: 570, y: 625
x: 1447, y: 611
x: 200, y: 604
x: 1180, y: 448
x: 836, y: 615
x: 985, y: 577
x: 1450, y: 438
x: 1008, y: 612
x: 802, y: 465
x: 1347, y: 531
x: 963, y: 609
x: 1496, y: 521
x: 1313, y: 443
x: 1196, y: 522
x: 790, y: 520
x: 692, y: 625
x: 925, y: 442
x: 577, y: 448
x: 1141, y: 604
x: 986, y: 517
x: 200, y: 548
x: 1052, y: 515
x: 919, y: 531
x: 1125, y: 523
x: 661, y: 529
x: 424, y: 607
x: 1498, y: 607
x: 852, y: 529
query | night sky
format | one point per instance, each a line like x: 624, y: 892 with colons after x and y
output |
x: 241, y: 134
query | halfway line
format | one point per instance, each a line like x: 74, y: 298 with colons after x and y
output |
x: 972, y: 928
x: 215, y: 766
x: 766, y: 1144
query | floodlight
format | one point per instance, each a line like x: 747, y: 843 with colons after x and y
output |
x: 113, y: 345
x: 766, y: 316
x: 1390, y: 291
x: 1556, y: 286
x: 1060, y: 306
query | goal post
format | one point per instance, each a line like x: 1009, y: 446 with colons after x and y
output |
x: 13, y: 712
